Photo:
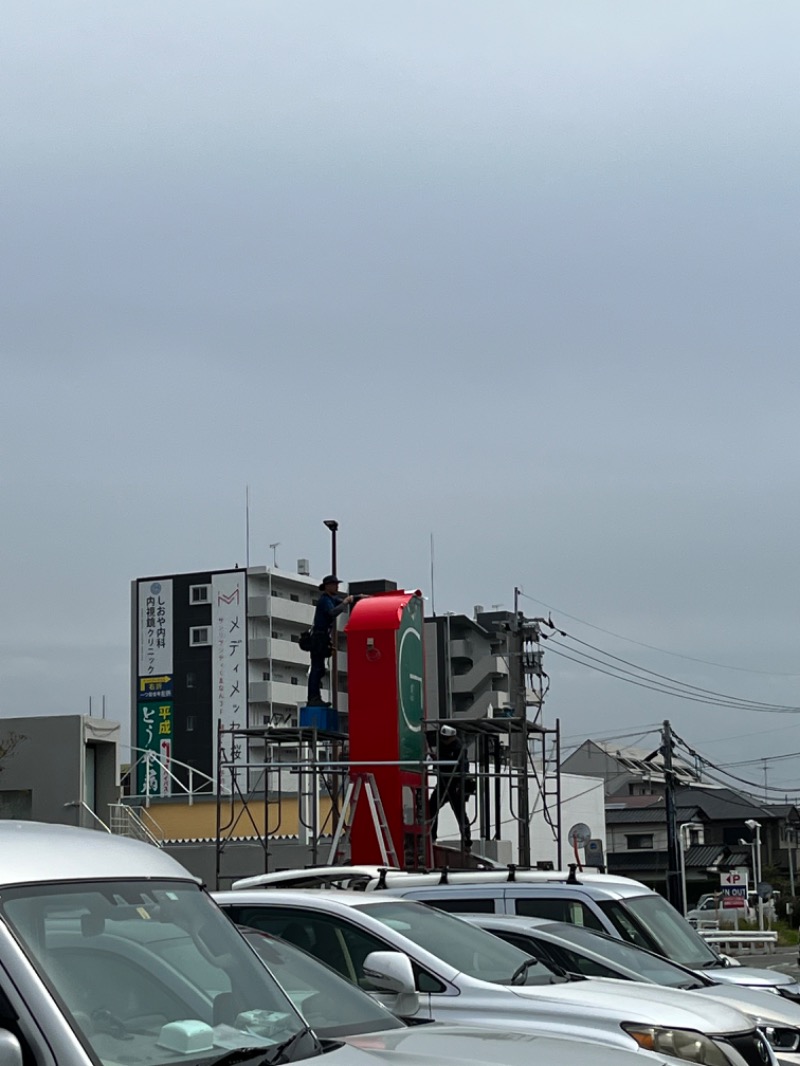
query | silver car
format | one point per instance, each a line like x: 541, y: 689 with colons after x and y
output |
x: 338, y: 1010
x: 582, y: 953
x: 111, y: 953
x: 463, y: 975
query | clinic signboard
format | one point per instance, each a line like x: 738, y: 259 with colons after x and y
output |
x: 154, y: 688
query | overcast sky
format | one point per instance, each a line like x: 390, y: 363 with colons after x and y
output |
x: 520, y: 275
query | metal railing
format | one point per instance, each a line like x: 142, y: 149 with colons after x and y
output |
x: 739, y: 941
x: 129, y: 822
x: 158, y: 774
x: 96, y: 822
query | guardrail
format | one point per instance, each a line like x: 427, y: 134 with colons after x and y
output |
x: 741, y: 941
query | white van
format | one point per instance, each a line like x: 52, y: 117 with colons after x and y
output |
x: 618, y: 906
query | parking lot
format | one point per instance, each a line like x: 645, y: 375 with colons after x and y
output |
x: 783, y: 959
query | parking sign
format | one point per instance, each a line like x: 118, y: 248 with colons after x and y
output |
x: 734, y: 886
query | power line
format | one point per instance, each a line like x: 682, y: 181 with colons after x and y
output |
x: 744, y: 736
x: 652, y: 647
x: 664, y: 690
x: 757, y: 786
x: 750, y: 704
x: 765, y: 758
x: 615, y: 736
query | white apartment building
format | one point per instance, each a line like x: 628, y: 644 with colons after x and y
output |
x: 280, y: 605
x: 217, y: 648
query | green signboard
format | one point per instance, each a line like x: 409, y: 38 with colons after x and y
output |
x: 154, y: 733
x: 409, y: 682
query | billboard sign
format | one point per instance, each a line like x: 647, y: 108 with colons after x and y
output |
x: 229, y: 659
x: 154, y: 729
x: 155, y: 628
x: 410, y: 683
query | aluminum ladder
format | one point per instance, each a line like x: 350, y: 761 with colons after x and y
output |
x: 365, y: 783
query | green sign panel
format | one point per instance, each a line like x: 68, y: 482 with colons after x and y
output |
x: 409, y: 682
x: 154, y: 733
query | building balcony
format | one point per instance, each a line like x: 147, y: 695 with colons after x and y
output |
x: 282, y: 651
x: 287, y: 694
x: 491, y: 666
x: 282, y: 609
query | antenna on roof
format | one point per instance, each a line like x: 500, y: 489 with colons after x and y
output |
x: 433, y: 586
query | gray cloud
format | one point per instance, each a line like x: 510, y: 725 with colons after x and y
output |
x: 519, y: 275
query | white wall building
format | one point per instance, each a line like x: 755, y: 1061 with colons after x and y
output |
x: 582, y: 800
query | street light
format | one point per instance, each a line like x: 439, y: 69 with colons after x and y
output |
x: 790, y: 833
x: 333, y: 526
x: 684, y: 845
x: 755, y: 845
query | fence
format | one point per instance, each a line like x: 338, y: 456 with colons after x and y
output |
x: 741, y: 941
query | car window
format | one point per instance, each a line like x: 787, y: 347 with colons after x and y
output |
x: 138, y: 965
x: 643, y: 963
x: 332, y: 1006
x: 574, y: 962
x: 557, y: 909
x: 331, y: 939
x: 468, y: 949
x: 460, y: 904
x: 526, y: 942
x: 651, y: 922
x: 334, y: 941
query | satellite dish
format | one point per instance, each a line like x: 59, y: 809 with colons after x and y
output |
x: 579, y: 835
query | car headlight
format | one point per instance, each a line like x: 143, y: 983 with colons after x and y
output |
x: 791, y: 992
x: 680, y: 1043
x: 782, y: 1038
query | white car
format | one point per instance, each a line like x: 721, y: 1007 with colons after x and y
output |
x: 580, y: 951
x: 619, y: 906
x: 112, y: 954
x: 463, y: 975
x: 715, y: 909
x: 338, y: 1010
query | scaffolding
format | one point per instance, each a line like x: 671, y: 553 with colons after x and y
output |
x: 298, y: 787
x: 301, y: 763
x: 492, y: 741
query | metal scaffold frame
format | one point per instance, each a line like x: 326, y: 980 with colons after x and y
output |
x: 493, y: 741
x: 314, y: 761
x: 243, y: 782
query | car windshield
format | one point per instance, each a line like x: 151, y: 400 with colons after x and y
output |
x: 332, y: 1006
x: 650, y: 967
x: 466, y: 948
x: 152, y: 972
x: 652, y: 923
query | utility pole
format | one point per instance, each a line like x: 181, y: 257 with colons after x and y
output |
x: 518, y: 749
x: 523, y: 637
x: 674, y: 886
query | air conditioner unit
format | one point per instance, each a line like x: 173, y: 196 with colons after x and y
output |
x: 303, y: 568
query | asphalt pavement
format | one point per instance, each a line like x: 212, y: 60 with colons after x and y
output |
x: 783, y: 959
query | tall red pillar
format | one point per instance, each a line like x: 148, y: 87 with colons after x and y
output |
x: 385, y: 678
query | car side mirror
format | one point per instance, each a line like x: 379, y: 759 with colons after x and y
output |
x: 391, y: 971
x: 10, y: 1049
